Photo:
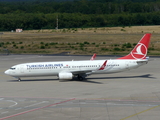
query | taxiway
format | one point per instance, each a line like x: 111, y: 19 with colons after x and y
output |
x: 130, y: 95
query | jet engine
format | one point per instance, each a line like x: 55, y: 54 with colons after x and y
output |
x: 65, y: 76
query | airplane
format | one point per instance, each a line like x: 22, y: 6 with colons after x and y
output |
x: 67, y: 70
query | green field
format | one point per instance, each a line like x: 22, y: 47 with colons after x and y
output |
x: 103, y: 41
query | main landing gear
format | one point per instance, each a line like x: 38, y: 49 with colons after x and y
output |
x: 80, y: 77
x: 19, y: 79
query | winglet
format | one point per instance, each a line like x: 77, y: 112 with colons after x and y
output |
x: 93, y: 57
x: 140, y: 50
x: 103, y: 66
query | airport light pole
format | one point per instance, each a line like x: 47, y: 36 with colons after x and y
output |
x: 57, y: 23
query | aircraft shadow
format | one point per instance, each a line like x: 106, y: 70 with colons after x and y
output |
x: 87, y: 80
x: 76, y: 80
x: 29, y: 80
x: 125, y: 77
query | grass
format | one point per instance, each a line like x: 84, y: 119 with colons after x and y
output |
x: 80, y: 41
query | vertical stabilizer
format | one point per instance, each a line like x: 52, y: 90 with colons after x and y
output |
x: 140, y: 50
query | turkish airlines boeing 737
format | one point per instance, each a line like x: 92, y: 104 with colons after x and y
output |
x: 66, y: 70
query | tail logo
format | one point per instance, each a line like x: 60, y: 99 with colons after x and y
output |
x: 140, y: 51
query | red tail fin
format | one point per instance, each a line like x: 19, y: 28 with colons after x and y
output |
x: 140, y: 50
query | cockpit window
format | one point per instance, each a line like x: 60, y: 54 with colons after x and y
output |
x: 12, y: 68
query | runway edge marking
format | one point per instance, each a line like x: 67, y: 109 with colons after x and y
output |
x: 35, y: 109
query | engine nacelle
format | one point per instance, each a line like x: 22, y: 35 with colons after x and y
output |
x: 65, y: 76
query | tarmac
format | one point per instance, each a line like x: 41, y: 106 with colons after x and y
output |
x: 130, y: 95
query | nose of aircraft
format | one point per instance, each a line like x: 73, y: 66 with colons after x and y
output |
x: 7, y: 72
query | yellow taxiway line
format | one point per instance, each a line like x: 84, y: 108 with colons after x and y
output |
x: 140, y: 112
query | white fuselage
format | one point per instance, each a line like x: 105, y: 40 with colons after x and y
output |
x: 75, y: 67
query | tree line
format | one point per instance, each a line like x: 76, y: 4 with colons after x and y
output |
x: 82, y: 6
x: 78, y: 13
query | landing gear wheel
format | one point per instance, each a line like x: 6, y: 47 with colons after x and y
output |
x: 19, y: 79
x: 80, y: 78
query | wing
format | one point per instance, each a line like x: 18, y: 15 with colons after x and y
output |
x: 76, y: 72
x: 93, y: 57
